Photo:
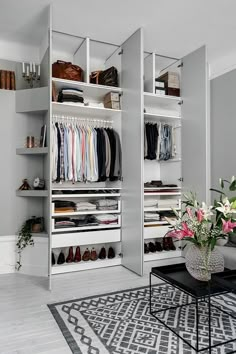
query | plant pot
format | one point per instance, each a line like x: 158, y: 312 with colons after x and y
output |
x: 201, y: 262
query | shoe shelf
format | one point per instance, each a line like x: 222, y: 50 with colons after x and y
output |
x: 85, y: 195
x: 85, y: 238
x: 92, y: 91
x: 32, y: 193
x: 84, y: 111
x: 161, y: 209
x: 32, y: 151
x: 155, y: 232
x: 162, y: 255
x: 161, y: 117
x: 74, y: 267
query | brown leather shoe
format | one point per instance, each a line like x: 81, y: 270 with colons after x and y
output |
x: 171, y: 244
x: 77, y: 255
x: 86, y: 256
x: 102, y: 253
x: 94, y: 255
x: 70, y: 257
x: 165, y: 244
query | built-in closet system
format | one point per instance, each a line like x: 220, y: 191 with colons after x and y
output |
x: 139, y: 104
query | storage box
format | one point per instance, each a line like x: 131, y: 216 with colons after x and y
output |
x: 171, y: 79
x: 112, y: 96
x: 173, y: 91
x: 112, y: 105
x: 159, y: 84
x: 160, y: 91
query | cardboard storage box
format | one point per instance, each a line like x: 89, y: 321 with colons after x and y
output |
x: 112, y: 96
x: 112, y: 105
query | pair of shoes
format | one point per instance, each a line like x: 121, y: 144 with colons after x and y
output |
x: 157, y: 247
x: 103, y: 253
x: 53, y: 259
x: 168, y: 244
x: 146, y: 248
x: 71, y: 258
x: 90, y: 255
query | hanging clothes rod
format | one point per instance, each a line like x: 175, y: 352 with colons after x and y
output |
x: 73, y: 118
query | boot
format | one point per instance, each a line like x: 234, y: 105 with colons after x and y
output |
x: 53, y: 259
x: 111, y: 253
x: 86, y: 256
x: 158, y: 246
x: 152, y: 247
x: 77, y: 255
x: 171, y: 244
x: 70, y: 257
x: 94, y: 255
x: 146, y: 248
x: 165, y: 244
x: 102, y: 253
x: 61, y: 258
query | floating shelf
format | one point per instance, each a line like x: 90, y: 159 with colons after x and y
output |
x: 85, y: 238
x: 155, y: 223
x: 84, y: 111
x: 74, y: 267
x: 160, y: 193
x: 32, y: 100
x: 162, y: 255
x: 32, y: 193
x: 92, y: 195
x: 32, y: 151
x: 92, y: 91
x: 161, y: 209
x: 161, y: 117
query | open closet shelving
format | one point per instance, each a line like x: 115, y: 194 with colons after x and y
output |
x: 137, y: 71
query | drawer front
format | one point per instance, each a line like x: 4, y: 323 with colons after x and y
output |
x: 155, y: 231
x: 85, y: 238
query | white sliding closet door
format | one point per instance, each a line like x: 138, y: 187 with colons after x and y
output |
x: 195, y: 124
x: 132, y: 152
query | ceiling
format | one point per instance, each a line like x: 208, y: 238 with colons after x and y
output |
x: 171, y: 27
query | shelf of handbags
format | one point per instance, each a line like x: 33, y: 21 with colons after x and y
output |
x: 76, y: 258
x: 161, y: 249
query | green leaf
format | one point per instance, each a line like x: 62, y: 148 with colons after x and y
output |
x: 213, y: 243
x: 217, y: 190
x: 232, y: 186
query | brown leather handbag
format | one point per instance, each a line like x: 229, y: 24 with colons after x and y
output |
x: 66, y: 70
x: 108, y: 77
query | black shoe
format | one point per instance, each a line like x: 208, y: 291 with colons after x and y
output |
x: 61, y: 258
x: 158, y: 246
x: 165, y: 244
x: 111, y: 253
x: 152, y: 247
x: 102, y: 253
x: 146, y: 249
x: 53, y: 259
x: 171, y: 244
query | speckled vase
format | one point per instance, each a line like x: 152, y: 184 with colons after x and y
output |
x: 201, y: 262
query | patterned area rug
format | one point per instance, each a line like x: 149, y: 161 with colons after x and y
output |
x: 120, y: 323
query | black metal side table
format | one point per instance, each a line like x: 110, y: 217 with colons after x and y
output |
x: 201, y: 292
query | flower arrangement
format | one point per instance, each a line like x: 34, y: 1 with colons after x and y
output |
x: 203, y: 225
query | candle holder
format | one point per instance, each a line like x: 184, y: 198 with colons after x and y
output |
x: 31, y: 73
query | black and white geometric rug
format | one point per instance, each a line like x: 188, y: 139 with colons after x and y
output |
x: 119, y: 323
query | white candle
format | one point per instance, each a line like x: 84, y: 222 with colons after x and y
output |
x: 27, y: 70
x: 30, y: 67
x: 23, y: 68
x: 38, y: 70
x: 34, y: 68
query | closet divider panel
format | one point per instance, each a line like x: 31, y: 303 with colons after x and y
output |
x: 149, y: 73
x: 81, y: 58
x: 195, y: 131
x: 132, y: 152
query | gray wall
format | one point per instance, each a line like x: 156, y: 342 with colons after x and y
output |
x: 223, y: 127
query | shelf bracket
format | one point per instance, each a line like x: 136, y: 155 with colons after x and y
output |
x: 121, y: 52
x: 181, y: 65
x: 181, y: 102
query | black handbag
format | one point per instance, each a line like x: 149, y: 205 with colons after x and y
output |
x: 108, y: 77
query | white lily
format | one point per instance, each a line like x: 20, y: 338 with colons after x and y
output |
x: 226, y: 207
x: 206, y: 210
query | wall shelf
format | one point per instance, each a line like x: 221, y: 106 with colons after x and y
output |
x: 32, y: 151
x: 32, y: 193
x: 161, y: 117
x: 162, y: 255
x: 32, y: 100
x: 74, y: 267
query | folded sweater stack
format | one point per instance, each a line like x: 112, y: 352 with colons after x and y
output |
x: 107, y: 204
x: 71, y: 95
x: 82, y: 206
x: 107, y: 219
x: 62, y: 206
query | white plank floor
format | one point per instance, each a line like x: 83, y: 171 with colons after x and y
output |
x: 26, y: 324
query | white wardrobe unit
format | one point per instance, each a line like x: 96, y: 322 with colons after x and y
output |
x: 139, y: 104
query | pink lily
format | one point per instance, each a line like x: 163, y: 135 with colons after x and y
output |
x: 200, y: 215
x: 228, y: 226
x: 180, y: 234
x: 190, y: 214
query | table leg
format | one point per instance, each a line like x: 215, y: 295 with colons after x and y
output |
x: 209, y: 317
x: 150, y: 292
x: 197, y: 327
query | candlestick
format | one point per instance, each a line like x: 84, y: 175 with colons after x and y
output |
x: 34, y: 68
x: 27, y: 70
x: 30, y: 67
x: 39, y: 70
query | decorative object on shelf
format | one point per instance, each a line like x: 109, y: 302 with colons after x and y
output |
x: 43, y: 136
x: 7, y: 80
x: 67, y: 71
x: 39, y: 183
x: 108, y: 77
x: 24, y: 240
x: 31, y: 73
x: 25, y: 185
x: 30, y: 143
x: 203, y: 225
x: 37, y: 224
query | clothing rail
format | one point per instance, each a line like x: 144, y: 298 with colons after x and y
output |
x: 56, y: 117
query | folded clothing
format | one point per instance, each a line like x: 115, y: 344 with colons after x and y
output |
x: 85, y: 220
x: 64, y: 210
x: 107, y: 204
x: 71, y: 95
x: 151, y: 217
x: 107, y: 219
x: 151, y: 202
x: 63, y: 204
x: 81, y: 206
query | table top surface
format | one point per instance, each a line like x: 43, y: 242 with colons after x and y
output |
x: 178, y: 276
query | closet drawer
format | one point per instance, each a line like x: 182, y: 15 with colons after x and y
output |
x: 86, y: 238
x: 87, y: 212
x: 155, y: 231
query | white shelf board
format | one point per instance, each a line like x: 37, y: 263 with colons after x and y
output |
x: 170, y: 160
x: 156, y: 231
x: 155, y: 223
x: 32, y: 151
x: 161, y: 117
x: 161, y: 188
x: 152, y: 96
x: 84, y: 111
x: 85, y: 238
x: 32, y: 193
x: 90, y: 188
x: 92, y: 195
x: 86, y: 228
x: 87, y: 212
x: 161, y: 209
x: 74, y: 267
x: 162, y: 255
x: 96, y: 92
x: 161, y: 193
